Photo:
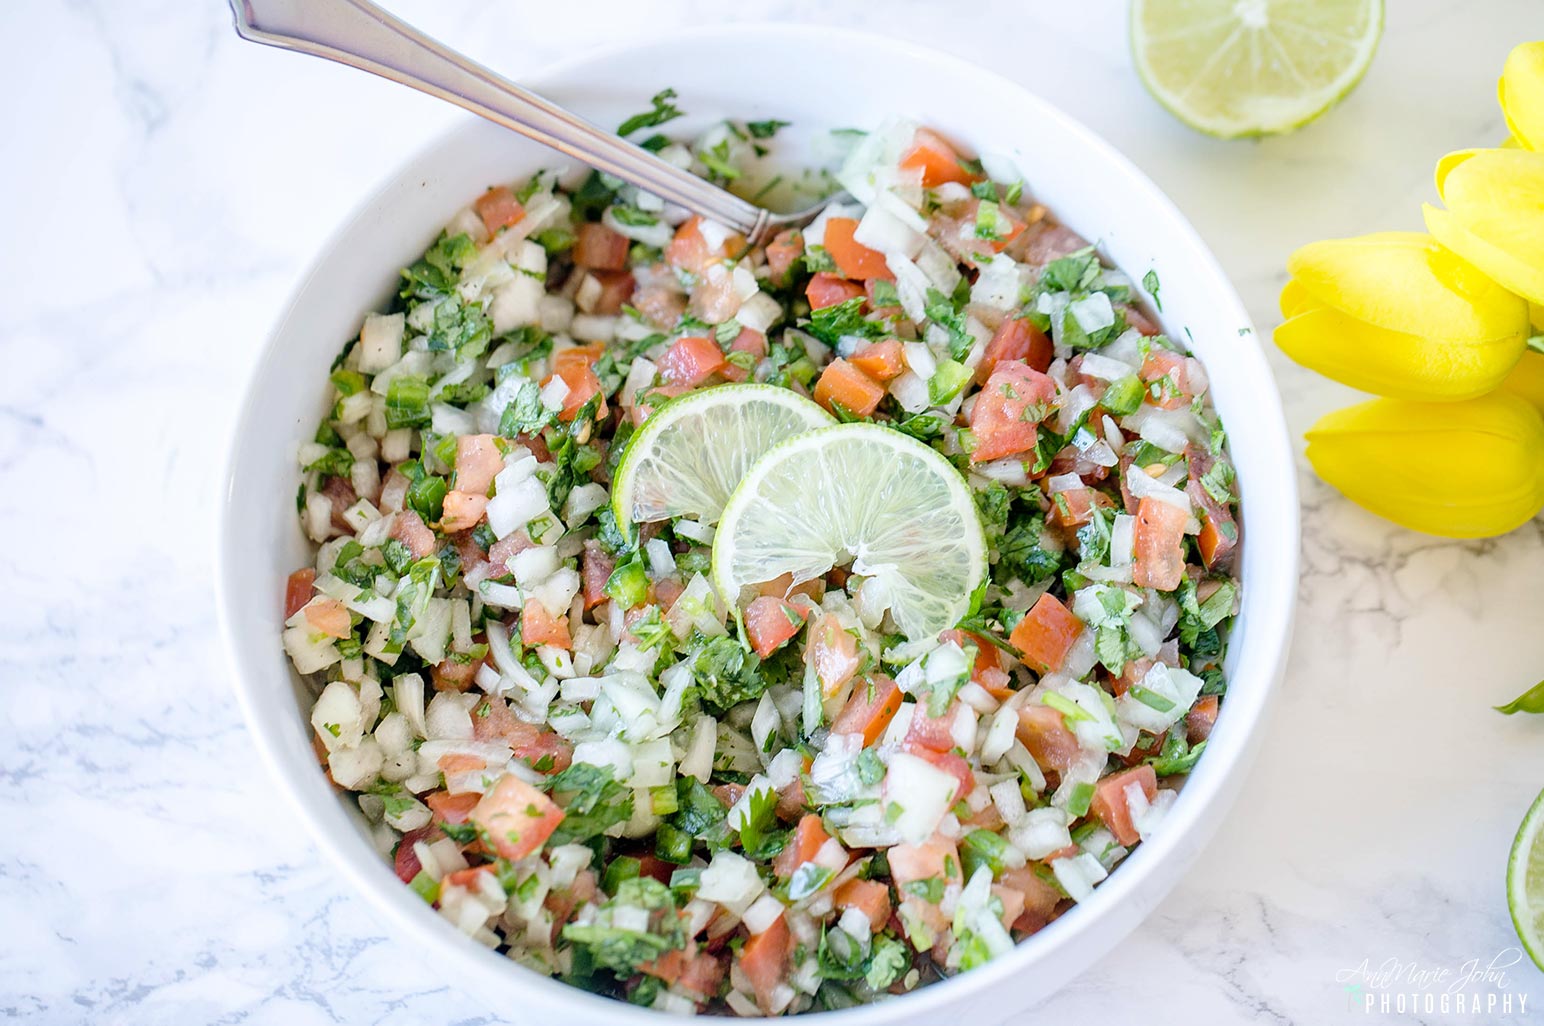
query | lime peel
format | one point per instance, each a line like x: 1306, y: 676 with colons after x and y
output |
x: 895, y: 508
x: 691, y: 453
x: 1525, y: 882
x: 1238, y: 68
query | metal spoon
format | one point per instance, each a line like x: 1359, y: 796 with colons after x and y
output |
x: 361, y: 35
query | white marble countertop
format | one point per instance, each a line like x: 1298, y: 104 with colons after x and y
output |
x: 161, y: 188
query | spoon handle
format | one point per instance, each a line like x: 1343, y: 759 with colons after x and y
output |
x: 361, y: 35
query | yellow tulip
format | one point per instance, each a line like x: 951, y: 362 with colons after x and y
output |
x: 1527, y: 379
x: 1495, y: 215
x: 1521, y: 91
x: 1396, y: 314
x: 1471, y: 469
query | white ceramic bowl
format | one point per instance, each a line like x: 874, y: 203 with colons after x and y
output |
x: 862, y: 79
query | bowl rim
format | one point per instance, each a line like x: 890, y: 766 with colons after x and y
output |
x: 1218, y: 784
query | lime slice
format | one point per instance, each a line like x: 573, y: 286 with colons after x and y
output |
x: 1233, y: 68
x: 691, y: 453
x: 1525, y: 882
x: 894, y: 508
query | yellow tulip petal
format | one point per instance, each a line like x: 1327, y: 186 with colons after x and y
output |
x: 1497, y: 198
x: 1448, y: 162
x: 1527, y: 379
x: 1521, y: 92
x: 1462, y: 470
x: 1393, y: 363
x: 1295, y: 299
x: 1507, y: 270
x: 1536, y: 316
x: 1404, y: 281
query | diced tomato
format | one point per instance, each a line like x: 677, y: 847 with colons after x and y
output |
x: 1075, y: 506
x: 1158, y: 559
x: 1047, y: 242
x: 853, y: 258
x: 770, y: 623
x: 405, y: 862
x: 1138, y: 319
x: 340, y: 493
x: 1046, y: 737
x: 928, y: 733
x: 1015, y: 398
x: 1016, y: 338
x: 842, y: 382
x: 689, y: 249
x: 467, y: 877
x: 517, y: 817
x: 691, y: 361
x: 650, y: 399
x: 870, y: 897
x: 667, y: 590
x: 875, y: 701
x: 826, y: 290
x: 782, y: 586
x: 546, y: 751
x: 328, y: 616
x: 507, y: 548
x: 574, y: 359
x: 880, y: 360
x: 410, y: 530
x: 748, y: 341
x: 1219, y: 531
x: 463, y: 510
x: 1012, y: 902
x: 599, y: 248
x: 833, y: 653
x: 702, y: 976
x: 1045, y: 634
x: 539, y: 627
x: 807, y: 839
x: 1131, y: 673
x: 583, y: 386
x: 616, y: 288
x: 595, y: 571
x: 454, y: 675
x: 1110, y: 804
x: 1040, y: 898
x: 451, y: 808
x: 935, y: 857
x: 786, y: 247
x: 498, y: 208
x: 660, y: 306
x: 1201, y: 718
x: 297, y: 590
x: 478, y: 461
x: 457, y: 764
x: 988, y: 659
x: 791, y: 800
x: 935, y: 158
x: 764, y: 960
x: 1167, y: 370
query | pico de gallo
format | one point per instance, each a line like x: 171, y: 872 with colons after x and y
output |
x: 582, y: 757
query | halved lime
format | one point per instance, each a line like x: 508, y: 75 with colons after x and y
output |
x: 1233, y: 68
x: 865, y: 494
x: 691, y: 453
x: 1525, y: 882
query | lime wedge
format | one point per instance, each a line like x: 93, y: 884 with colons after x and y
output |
x: 865, y: 494
x: 1525, y: 882
x: 691, y: 453
x: 1233, y: 68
